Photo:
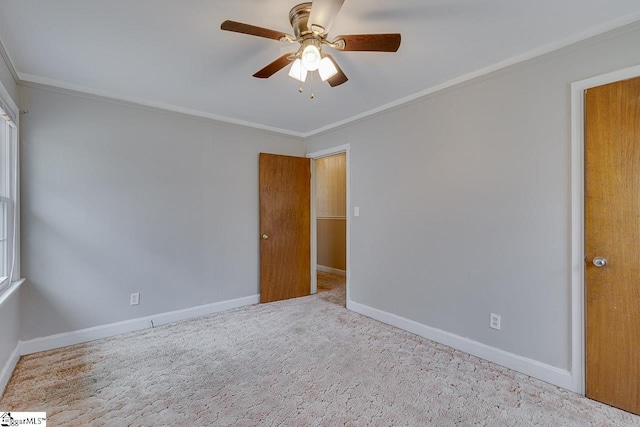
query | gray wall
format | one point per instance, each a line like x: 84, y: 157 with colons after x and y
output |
x: 119, y: 199
x: 465, y: 204
x: 7, y: 80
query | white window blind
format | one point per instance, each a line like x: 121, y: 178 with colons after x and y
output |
x: 8, y: 193
x: 3, y: 243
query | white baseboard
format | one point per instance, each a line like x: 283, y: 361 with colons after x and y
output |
x: 331, y: 270
x: 542, y: 371
x: 7, y: 369
x: 104, y: 331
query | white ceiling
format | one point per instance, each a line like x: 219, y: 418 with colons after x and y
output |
x: 172, y: 54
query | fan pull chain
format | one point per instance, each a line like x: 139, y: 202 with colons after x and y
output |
x: 312, y: 95
x: 300, y: 80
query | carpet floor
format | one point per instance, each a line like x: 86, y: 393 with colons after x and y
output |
x: 301, y: 362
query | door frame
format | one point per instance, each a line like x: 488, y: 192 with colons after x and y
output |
x: 578, y: 340
x: 345, y: 148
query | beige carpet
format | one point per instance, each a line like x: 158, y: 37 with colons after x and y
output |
x: 300, y: 362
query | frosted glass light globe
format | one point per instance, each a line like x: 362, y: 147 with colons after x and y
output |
x: 327, y: 69
x: 297, y: 71
x: 311, y: 58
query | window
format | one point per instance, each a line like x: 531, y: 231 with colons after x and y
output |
x: 8, y: 197
x: 3, y: 242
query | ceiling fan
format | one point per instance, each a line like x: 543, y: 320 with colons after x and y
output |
x: 311, y: 23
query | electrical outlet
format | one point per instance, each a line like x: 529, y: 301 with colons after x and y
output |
x: 135, y: 298
x: 494, y: 321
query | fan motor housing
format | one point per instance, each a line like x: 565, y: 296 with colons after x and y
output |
x: 299, y: 16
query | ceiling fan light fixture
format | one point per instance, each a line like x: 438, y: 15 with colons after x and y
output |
x: 311, y: 57
x: 297, y: 71
x: 311, y: 23
x: 327, y: 69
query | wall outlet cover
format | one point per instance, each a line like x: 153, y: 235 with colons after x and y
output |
x: 495, y: 321
x: 135, y: 298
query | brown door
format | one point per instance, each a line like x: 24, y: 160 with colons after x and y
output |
x: 285, y: 218
x: 612, y: 233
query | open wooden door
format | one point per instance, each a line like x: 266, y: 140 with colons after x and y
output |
x: 285, y: 227
x: 612, y: 244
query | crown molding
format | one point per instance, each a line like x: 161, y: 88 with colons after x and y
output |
x: 24, y: 79
x: 538, y: 53
x: 7, y: 60
x: 30, y: 80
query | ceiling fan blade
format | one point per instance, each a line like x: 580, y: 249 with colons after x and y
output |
x: 274, y: 67
x: 323, y: 13
x: 340, y: 76
x: 252, y: 30
x: 369, y: 42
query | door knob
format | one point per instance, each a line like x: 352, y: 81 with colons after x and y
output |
x: 265, y: 236
x: 599, y: 262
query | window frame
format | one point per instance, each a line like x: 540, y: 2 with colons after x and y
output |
x: 4, y: 242
x: 9, y: 193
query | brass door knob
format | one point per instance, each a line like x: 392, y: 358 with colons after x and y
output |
x: 265, y: 236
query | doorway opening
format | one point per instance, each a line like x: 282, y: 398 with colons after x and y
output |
x: 330, y: 224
